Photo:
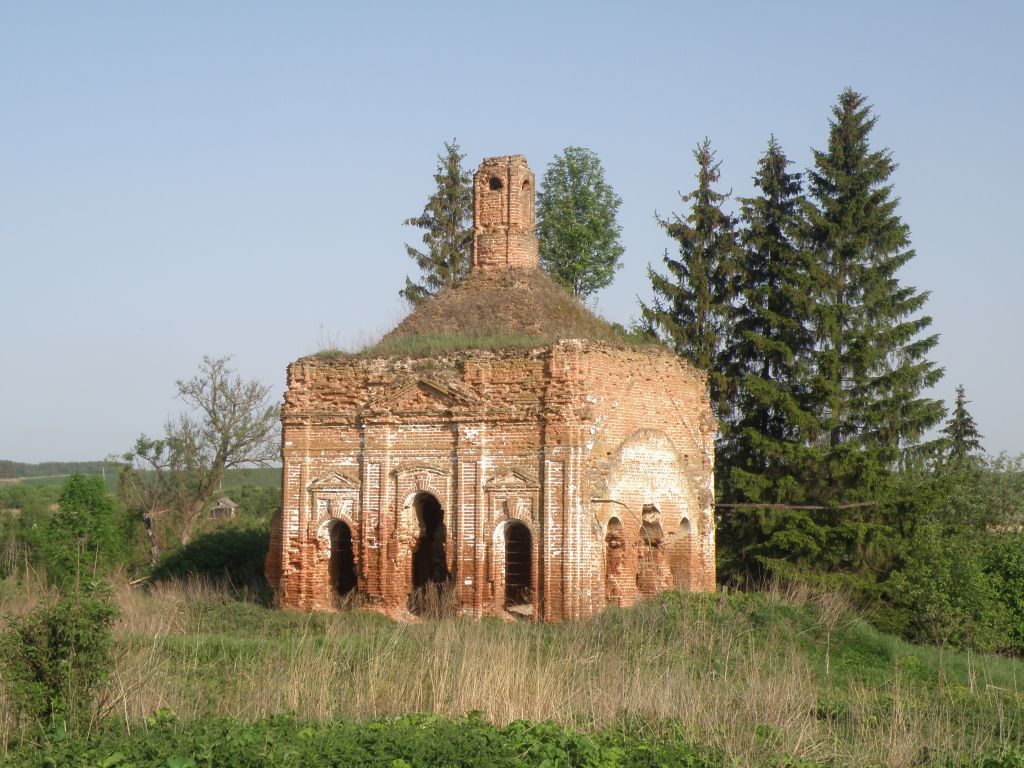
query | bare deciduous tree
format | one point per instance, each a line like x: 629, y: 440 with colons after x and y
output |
x: 230, y: 423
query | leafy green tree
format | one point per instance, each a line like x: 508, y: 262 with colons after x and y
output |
x: 693, y: 304
x: 172, y: 480
x: 961, y: 430
x: 985, y: 493
x: 83, y: 532
x: 23, y: 534
x: 871, y: 361
x: 576, y: 223
x: 947, y: 592
x: 447, y: 221
x: 56, y: 656
x: 1007, y: 565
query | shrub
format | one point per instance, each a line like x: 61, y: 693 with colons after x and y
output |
x: 82, y: 532
x: 233, y: 553
x: 1007, y: 566
x: 947, y: 591
x: 57, y: 655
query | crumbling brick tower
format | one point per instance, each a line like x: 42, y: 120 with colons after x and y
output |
x: 540, y: 465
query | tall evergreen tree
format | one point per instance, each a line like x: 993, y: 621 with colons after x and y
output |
x: 576, y: 226
x: 692, y: 306
x: 961, y: 430
x: 871, y: 360
x: 447, y: 220
x: 765, y: 457
x: 771, y: 344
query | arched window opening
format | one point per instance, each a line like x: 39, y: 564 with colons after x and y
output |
x: 615, y: 561
x: 651, y: 534
x: 342, y: 564
x: 494, y: 183
x: 518, y: 559
x: 649, y: 565
x: 679, y: 552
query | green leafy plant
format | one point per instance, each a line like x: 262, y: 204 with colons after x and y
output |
x: 82, y: 532
x: 57, y: 656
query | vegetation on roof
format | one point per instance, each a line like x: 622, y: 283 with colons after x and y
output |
x: 513, y: 309
x: 512, y: 302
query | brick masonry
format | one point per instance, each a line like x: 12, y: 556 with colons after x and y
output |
x: 569, y: 476
x: 504, y: 198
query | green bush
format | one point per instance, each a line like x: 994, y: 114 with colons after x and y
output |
x: 57, y: 656
x: 1007, y: 566
x: 948, y: 591
x: 231, y: 553
x: 83, y: 533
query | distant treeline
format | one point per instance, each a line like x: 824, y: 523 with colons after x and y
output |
x: 15, y: 469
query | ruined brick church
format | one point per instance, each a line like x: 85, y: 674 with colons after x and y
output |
x: 537, y: 465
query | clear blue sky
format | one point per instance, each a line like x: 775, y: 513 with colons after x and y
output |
x: 189, y: 178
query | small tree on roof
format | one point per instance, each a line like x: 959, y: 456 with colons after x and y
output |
x: 577, y: 229
x: 447, y: 221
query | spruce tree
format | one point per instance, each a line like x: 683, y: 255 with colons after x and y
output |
x: 692, y: 306
x: 765, y: 455
x: 447, y: 219
x: 871, y: 360
x: 770, y: 345
x: 961, y: 431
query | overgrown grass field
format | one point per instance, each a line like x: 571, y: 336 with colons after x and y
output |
x: 753, y: 679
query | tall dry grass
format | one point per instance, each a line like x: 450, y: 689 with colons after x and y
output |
x: 750, y: 687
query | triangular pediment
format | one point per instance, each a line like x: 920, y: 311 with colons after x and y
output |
x: 511, y: 479
x: 334, y: 481
x: 423, y: 394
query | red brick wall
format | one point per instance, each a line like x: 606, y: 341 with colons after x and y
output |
x: 503, y: 215
x: 562, y: 438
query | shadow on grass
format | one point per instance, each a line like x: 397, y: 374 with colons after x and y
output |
x: 230, y: 557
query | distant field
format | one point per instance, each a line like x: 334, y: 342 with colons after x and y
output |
x: 261, y: 477
x: 15, y: 470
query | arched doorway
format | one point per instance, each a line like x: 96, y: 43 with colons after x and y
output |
x: 429, y: 559
x: 342, y: 564
x: 518, y: 560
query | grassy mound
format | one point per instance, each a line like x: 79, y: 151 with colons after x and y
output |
x: 514, y: 308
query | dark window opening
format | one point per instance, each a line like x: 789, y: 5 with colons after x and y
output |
x: 342, y: 565
x: 429, y: 563
x: 517, y: 564
x: 495, y: 183
x: 526, y: 184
